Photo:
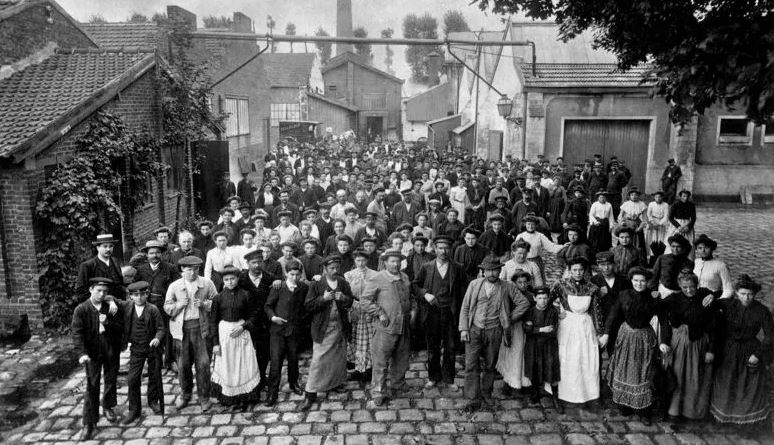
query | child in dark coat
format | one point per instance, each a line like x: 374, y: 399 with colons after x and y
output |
x: 541, y: 350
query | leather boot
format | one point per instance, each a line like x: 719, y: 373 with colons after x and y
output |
x: 555, y: 398
x: 309, y: 400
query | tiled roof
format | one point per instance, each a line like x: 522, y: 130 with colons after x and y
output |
x: 288, y: 69
x: 36, y: 96
x: 123, y: 35
x: 580, y: 75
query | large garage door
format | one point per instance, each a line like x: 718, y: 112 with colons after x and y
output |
x: 626, y: 139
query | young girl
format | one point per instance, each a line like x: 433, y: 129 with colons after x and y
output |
x: 541, y: 351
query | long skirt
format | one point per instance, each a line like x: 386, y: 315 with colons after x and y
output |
x: 359, y: 349
x: 578, y: 358
x: 693, y: 375
x: 555, y: 218
x: 740, y: 393
x: 510, y: 362
x: 599, y: 236
x: 235, y: 376
x: 541, y: 360
x: 632, y: 367
x: 328, y: 368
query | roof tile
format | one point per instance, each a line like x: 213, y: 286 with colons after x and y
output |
x: 576, y: 75
x: 123, y: 35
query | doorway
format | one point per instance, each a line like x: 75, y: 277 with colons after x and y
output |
x: 374, y: 127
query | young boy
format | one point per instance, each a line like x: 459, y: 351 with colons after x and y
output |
x: 541, y: 351
x: 144, y: 329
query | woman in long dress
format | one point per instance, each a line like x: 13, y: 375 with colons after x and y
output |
x: 577, y: 301
x: 600, y: 223
x: 363, y: 327
x: 632, y: 366
x: 458, y: 197
x: 556, y: 206
x: 233, y: 315
x: 740, y: 392
x: 328, y: 301
x: 657, y: 220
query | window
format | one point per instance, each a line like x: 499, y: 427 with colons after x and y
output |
x: 238, y: 120
x: 768, y: 133
x: 148, y: 195
x: 284, y: 112
x: 734, y: 130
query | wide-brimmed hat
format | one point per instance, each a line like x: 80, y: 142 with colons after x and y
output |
x: 491, y: 262
x: 745, y: 282
x: 104, y: 238
x: 153, y: 244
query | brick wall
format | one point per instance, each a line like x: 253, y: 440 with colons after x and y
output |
x: 29, y: 31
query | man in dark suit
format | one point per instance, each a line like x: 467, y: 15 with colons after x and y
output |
x: 96, y: 337
x: 227, y: 188
x: 144, y: 329
x: 103, y: 265
x: 285, y: 309
x: 285, y: 205
x: 439, y: 286
x: 542, y: 199
x: 405, y: 212
x: 257, y: 282
x: 245, y: 189
x: 159, y: 275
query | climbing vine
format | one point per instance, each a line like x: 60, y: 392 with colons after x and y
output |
x: 104, y: 181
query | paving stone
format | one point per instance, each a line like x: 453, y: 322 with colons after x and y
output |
x: 490, y: 439
x: 203, y: 431
x: 531, y: 414
x: 465, y: 439
x: 638, y: 439
x: 309, y: 440
x: 267, y: 418
x: 209, y: 441
x: 385, y: 440
x: 232, y: 441
x: 372, y: 427
x: 177, y: 421
x: 356, y: 439
x: 220, y: 419
x: 341, y: 416
x: 281, y: 440
x: 689, y: 439
x: 300, y: 428
x: 667, y: 439
x: 382, y: 416
x: 437, y: 439
x: 545, y: 439
x: 278, y: 430
x: 226, y: 431
x: 410, y: 415
x: 157, y: 431
x: 181, y: 431
x: 322, y: 428
x: 445, y: 428
x: 516, y: 440
x: 402, y: 428
x: 346, y: 428
x: 256, y: 440
x: 519, y: 428
x: 579, y: 439
x: 362, y: 415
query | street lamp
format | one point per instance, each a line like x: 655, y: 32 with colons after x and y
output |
x: 504, y: 107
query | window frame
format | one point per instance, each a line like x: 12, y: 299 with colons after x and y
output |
x: 734, y: 139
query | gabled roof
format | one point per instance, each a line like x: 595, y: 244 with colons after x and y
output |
x: 123, y: 35
x: 348, y: 56
x: 332, y: 101
x: 44, y: 101
x: 288, y: 69
x: 430, y: 104
x: 445, y: 118
x: 581, y: 75
x: 549, y: 49
x: 9, y: 8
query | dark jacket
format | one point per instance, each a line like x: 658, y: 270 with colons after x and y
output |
x: 94, y: 268
x: 178, y: 253
x: 260, y: 294
x: 159, y: 280
x: 154, y: 324
x: 85, y: 329
x: 428, y: 274
x: 321, y: 309
x: 288, y: 305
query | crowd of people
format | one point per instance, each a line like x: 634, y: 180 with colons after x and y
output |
x: 365, y: 252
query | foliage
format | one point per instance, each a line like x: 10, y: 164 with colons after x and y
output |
x: 136, y: 17
x: 159, y: 18
x: 454, y: 21
x: 271, y: 23
x: 290, y: 30
x: 97, y: 19
x: 420, y: 27
x: 325, y: 48
x: 363, y: 49
x: 212, y: 21
x: 389, y: 53
x: 104, y: 181
x: 705, y: 52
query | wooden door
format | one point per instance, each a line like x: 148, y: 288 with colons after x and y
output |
x: 208, y: 183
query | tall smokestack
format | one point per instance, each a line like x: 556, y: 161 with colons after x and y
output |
x: 343, y: 24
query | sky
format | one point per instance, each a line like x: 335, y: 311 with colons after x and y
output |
x: 307, y: 15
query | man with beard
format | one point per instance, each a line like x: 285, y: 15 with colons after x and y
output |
x: 285, y: 206
x: 159, y: 275
x: 370, y: 230
x: 257, y: 282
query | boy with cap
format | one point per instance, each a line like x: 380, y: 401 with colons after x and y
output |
x: 144, y: 328
x: 97, y: 340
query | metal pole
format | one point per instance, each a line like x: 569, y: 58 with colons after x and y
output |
x: 354, y: 40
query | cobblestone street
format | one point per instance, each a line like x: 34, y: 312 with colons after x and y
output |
x: 419, y: 416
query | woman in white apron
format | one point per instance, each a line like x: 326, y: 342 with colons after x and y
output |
x: 577, y: 301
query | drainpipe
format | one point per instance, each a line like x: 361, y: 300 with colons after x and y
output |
x: 524, y: 125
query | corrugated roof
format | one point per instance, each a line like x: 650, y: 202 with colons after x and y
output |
x: 288, y: 69
x: 36, y: 96
x: 581, y: 75
x: 549, y: 49
x: 123, y: 35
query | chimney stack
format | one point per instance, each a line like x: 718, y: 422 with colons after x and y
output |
x: 179, y: 15
x: 242, y: 23
x: 434, y: 60
x: 343, y: 24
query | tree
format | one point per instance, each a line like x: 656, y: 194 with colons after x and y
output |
x: 387, y: 34
x: 97, y: 19
x: 212, y: 21
x: 363, y: 49
x: 136, y: 17
x: 271, y: 23
x: 325, y: 48
x: 290, y: 29
x: 420, y: 27
x: 702, y: 52
x: 159, y: 18
x: 454, y: 21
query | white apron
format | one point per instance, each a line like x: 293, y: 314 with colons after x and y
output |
x: 510, y: 362
x: 236, y: 368
x: 578, y: 353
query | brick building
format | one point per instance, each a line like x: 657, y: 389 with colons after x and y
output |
x: 51, y: 91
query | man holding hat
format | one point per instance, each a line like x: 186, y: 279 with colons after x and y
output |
x: 145, y: 329
x: 96, y: 337
x: 159, y: 275
x: 187, y: 303
x: 387, y: 299
x: 328, y: 301
x: 439, y: 286
x: 104, y: 264
x: 485, y: 318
